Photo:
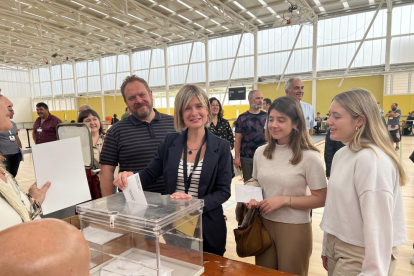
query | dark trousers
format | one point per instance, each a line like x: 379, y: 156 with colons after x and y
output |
x: 247, y: 167
x: 12, y: 163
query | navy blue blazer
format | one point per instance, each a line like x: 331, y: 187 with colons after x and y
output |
x: 214, y: 186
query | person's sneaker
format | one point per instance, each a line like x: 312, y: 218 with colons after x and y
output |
x: 397, y: 148
x: 412, y: 260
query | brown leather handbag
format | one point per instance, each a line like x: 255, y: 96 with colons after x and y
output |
x: 251, y: 237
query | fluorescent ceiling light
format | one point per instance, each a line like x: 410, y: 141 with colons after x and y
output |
x: 138, y: 27
x: 262, y: 2
x: 167, y: 38
x: 345, y: 4
x: 252, y: 15
x: 79, y: 4
x: 210, y: 31
x: 102, y: 36
x: 372, y: 1
x: 202, y: 14
x: 260, y: 21
x: 120, y: 20
x: 136, y: 17
x: 68, y: 18
x: 181, y: 36
x: 184, y: 4
x: 183, y: 17
x: 238, y: 5
x: 224, y: 27
x: 34, y: 15
x: 271, y: 10
x: 98, y: 11
x: 198, y: 25
x: 317, y: 2
x: 214, y: 21
x: 322, y: 9
x: 165, y: 8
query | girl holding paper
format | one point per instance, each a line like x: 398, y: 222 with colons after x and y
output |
x: 16, y: 207
x: 194, y: 163
x: 290, y: 171
x: 366, y: 178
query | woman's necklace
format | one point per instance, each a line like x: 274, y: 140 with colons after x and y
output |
x: 190, y: 151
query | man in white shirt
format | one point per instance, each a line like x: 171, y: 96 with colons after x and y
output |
x: 294, y: 87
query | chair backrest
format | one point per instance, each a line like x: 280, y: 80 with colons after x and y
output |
x: 71, y: 130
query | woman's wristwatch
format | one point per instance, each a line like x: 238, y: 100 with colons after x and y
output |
x: 35, y: 207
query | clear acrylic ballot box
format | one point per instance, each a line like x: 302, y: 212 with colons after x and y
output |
x: 163, y: 238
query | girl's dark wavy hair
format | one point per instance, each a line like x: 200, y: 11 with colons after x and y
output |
x: 84, y: 114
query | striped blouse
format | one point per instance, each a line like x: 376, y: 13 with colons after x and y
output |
x: 193, y: 190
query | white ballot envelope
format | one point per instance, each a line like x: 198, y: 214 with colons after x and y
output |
x: 245, y: 192
x: 134, y: 192
x: 61, y: 163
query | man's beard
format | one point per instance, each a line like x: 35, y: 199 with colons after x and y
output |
x: 141, y: 115
x: 393, y: 109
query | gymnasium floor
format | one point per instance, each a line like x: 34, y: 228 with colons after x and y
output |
x: 26, y: 177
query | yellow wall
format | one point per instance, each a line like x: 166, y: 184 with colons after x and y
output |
x: 270, y: 91
x: 114, y: 105
x: 405, y: 103
x: 327, y: 89
x: 95, y: 103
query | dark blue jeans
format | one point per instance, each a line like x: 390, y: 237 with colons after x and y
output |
x: 12, y: 163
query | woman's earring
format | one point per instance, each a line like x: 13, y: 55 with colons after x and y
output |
x: 356, y: 128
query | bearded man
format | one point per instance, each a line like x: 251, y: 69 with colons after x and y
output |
x: 132, y: 142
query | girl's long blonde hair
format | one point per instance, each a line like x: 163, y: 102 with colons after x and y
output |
x: 299, y: 137
x: 360, y: 102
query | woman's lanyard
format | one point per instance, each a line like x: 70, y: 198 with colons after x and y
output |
x: 187, y: 180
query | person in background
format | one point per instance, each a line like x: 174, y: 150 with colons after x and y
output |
x: 331, y: 147
x: 195, y: 163
x: 363, y: 219
x: 249, y: 134
x: 290, y: 172
x: 318, y: 121
x: 15, y: 205
x: 44, y: 128
x: 10, y: 146
x: 266, y: 104
x: 132, y: 142
x: 381, y: 111
x: 294, y: 87
x: 48, y: 247
x: 92, y: 119
x: 84, y: 107
x: 114, y: 119
x: 408, y: 124
x: 126, y: 114
x: 393, y: 124
x: 220, y: 126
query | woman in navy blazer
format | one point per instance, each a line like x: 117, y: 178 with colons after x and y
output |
x: 196, y: 146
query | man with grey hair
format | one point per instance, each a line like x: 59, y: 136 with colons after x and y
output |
x: 84, y: 107
x: 132, y: 142
x: 249, y: 134
x: 294, y: 87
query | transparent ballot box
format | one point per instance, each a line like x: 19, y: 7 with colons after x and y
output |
x: 163, y: 238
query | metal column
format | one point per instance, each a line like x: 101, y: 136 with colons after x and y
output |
x: 314, y: 62
x: 255, y: 61
x: 290, y: 55
x: 167, y: 87
x: 362, y: 42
